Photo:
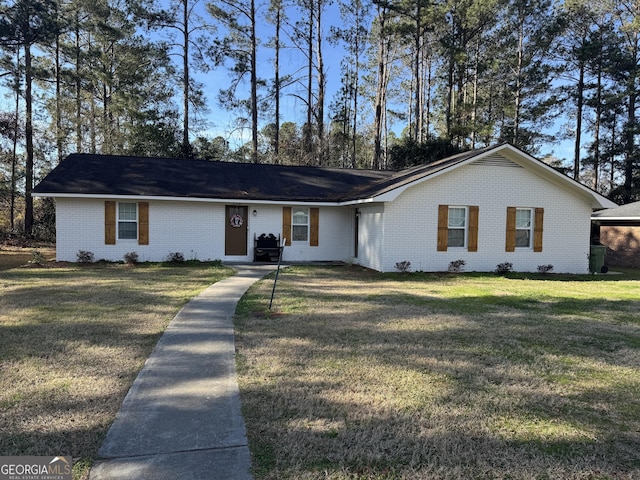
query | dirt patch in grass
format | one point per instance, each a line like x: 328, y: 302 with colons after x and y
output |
x: 72, y: 339
x: 12, y: 257
x: 441, y: 376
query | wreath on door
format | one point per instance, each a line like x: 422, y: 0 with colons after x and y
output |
x: 236, y: 221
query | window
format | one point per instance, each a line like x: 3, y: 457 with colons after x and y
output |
x: 127, y: 221
x: 300, y: 225
x: 523, y: 227
x: 457, y: 227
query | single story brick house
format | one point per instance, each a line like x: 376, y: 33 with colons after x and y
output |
x: 619, y: 230
x: 485, y: 207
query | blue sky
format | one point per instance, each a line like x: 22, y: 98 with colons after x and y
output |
x: 221, y: 122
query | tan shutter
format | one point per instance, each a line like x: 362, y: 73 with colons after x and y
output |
x: 510, y: 244
x: 473, y: 229
x: 143, y: 223
x: 443, y: 227
x: 537, y: 230
x: 286, y: 225
x: 313, y: 234
x: 109, y: 222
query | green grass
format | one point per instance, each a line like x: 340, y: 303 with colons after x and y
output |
x: 363, y: 375
x: 72, y: 340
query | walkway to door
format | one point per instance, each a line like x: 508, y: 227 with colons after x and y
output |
x: 181, y: 417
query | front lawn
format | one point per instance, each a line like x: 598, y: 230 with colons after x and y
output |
x: 72, y: 340
x: 359, y: 375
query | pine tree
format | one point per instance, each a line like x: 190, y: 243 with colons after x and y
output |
x: 25, y: 24
x: 240, y: 45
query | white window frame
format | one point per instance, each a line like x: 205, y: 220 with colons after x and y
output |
x: 464, y: 228
x: 295, y: 223
x: 528, y: 229
x: 120, y: 221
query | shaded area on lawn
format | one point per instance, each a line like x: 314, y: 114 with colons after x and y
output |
x: 436, y: 376
x: 72, y: 340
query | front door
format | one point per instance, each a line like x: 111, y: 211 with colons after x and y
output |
x: 235, y: 238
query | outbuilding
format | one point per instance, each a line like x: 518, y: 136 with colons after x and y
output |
x: 619, y: 230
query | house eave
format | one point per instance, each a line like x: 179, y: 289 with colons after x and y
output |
x: 227, y: 201
x: 614, y: 219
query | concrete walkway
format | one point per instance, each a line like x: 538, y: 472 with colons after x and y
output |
x: 181, y: 418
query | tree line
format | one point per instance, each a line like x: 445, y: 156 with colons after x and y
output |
x: 418, y: 79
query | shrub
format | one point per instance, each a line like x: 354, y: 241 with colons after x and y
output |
x: 131, y: 258
x: 545, y: 268
x: 37, y: 258
x: 505, y: 267
x: 403, y: 267
x: 175, y: 257
x: 85, y: 256
x: 456, y: 266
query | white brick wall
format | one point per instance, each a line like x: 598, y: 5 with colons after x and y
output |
x: 371, y: 232
x: 411, y: 221
x: 195, y: 229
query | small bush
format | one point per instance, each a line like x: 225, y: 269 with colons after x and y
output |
x: 545, y: 268
x: 175, y: 257
x: 503, y: 268
x: 403, y: 267
x: 37, y: 258
x: 131, y: 258
x: 85, y: 256
x: 456, y: 266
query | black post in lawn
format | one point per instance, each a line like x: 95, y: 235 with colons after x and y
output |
x: 273, y: 292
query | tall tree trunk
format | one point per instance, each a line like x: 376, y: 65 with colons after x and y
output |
x: 631, y: 127
x: 254, y: 84
x: 416, y: 71
x: 380, y: 116
x: 450, y: 96
x: 276, y: 139
x: 380, y: 90
x: 322, y: 84
x: 78, y: 79
x: 579, y: 107
x: 308, y: 131
x: 596, y: 126
x: 28, y: 211
x: 186, y: 149
x: 612, y: 172
x: 474, y: 109
x: 14, y: 155
x: 59, y: 142
x: 518, y: 88
x: 356, y: 86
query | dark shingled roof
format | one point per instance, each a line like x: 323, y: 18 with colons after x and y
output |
x: 89, y: 174
x: 165, y: 177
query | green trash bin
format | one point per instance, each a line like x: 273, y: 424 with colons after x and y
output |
x: 596, y: 259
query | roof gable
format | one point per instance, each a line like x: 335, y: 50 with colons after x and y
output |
x: 504, y: 155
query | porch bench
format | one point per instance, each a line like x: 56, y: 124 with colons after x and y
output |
x: 266, y: 248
